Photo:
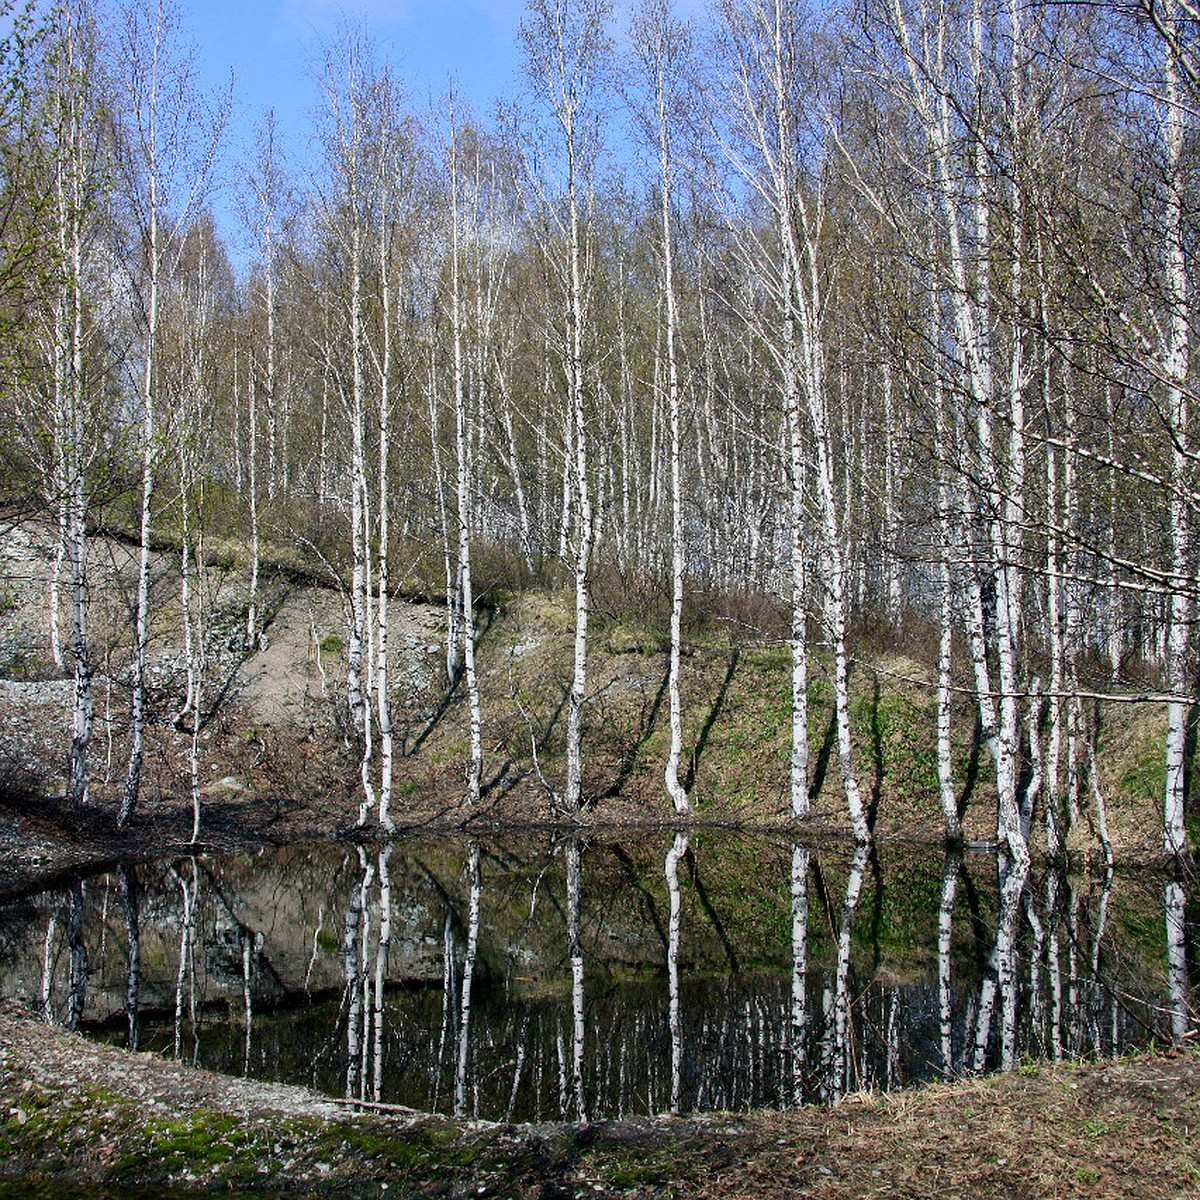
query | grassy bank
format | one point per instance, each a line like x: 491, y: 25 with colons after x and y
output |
x: 276, y: 728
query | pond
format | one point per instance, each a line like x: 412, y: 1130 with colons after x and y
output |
x: 552, y: 978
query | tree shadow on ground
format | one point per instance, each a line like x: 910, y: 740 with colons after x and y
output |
x: 449, y: 696
x: 709, y: 721
x: 824, y: 755
x: 631, y: 752
x: 876, y: 756
x: 972, y: 776
x: 435, y: 719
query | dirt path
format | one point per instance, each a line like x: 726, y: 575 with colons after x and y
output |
x: 79, y: 1113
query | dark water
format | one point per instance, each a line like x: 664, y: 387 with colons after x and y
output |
x: 555, y: 979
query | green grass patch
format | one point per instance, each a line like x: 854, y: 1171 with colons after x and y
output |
x: 333, y: 644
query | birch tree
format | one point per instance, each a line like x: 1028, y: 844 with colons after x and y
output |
x: 938, y: 70
x: 346, y: 224
x: 78, y: 190
x: 1124, y: 246
x: 779, y: 156
x: 391, y: 182
x: 168, y: 141
x: 662, y: 46
x: 264, y: 211
x: 186, y: 375
x: 481, y: 229
x: 360, y: 215
x: 1176, y: 347
x: 565, y: 45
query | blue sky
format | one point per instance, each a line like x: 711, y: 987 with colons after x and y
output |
x: 271, y: 47
x: 271, y: 44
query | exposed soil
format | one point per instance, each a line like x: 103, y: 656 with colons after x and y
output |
x: 79, y: 1113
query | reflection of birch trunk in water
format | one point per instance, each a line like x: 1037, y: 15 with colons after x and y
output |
x: 1001, y: 975
x: 1097, y: 942
x: 945, y: 948
x: 893, y: 1077
x: 464, y: 1023
x: 678, y: 849
x: 575, y: 951
x: 181, y: 972
x: 1177, y: 959
x: 517, y: 1067
x: 79, y: 955
x: 185, y: 978
x: 448, y: 964
x: 799, y: 1016
x: 364, y: 978
x: 621, y: 1089
x: 48, y: 967
x: 352, y: 950
x: 1008, y: 964
x: 246, y: 937
x: 564, y: 1098
x: 1036, y: 955
x: 1074, y: 1036
x: 1054, y: 967
x: 382, y: 952
x: 841, y: 994
x: 131, y: 902
x: 315, y: 951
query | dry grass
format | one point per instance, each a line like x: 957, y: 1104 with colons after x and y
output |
x: 1105, y: 1129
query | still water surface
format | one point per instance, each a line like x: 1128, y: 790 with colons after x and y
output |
x: 556, y: 979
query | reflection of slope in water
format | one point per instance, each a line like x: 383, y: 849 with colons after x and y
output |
x: 563, y: 982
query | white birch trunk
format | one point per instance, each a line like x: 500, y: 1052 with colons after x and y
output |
x: 266, y: 186
x: 141, y: 612
x: 565, y: 44
x: 360, y: 716
x: 945, y: 746
x: 664, y: 44
x: 61, y: 502
x: 959, y: 186
x: 382, y: 677
x: 168, y: 149
x: 191, y: 556
x: 573, y: 794
x: 449, y: 566
x: 1175, y: 370
x: 1054, y: 602
x: 891, y: 556
x: 252, y: 487
x: 464, y: 465
x: 1174, y: 898
x: 71, y: 166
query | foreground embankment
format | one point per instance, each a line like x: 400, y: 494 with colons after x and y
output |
x: 75, y: 1113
